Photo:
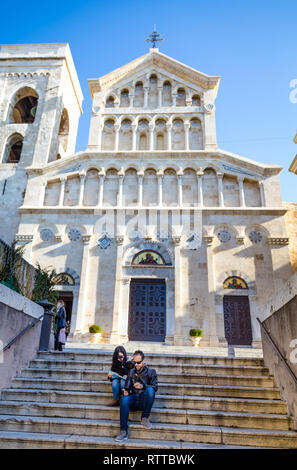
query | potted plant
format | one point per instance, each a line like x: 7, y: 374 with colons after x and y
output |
x: 95, y: 331
x: 196, y: 335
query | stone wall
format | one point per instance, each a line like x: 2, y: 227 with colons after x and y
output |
x: 291, y: 224
x: 280, y: 319
x: 16, y: 313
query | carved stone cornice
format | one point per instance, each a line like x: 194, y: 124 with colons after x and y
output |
x: 24, y: 238
x: 119, y: 239
x: 86, y: 239
x: 208, y: 240
x: 176, y: 239
x: 280, y: 241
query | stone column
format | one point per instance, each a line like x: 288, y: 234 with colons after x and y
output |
x: 178, y: 336
x: 140, y: 174
x: 160, y: 89
x: 174, y: 96
x: 131, y: 96
x: 82, y: 176
x: 187, y: 135
x: 212, y: 329
x: 262, y: 195
x: 160, y: 175
x: 42, y: 193
x: 169, y: 129
x: 220, y: 189
x: 121, y: 175
x: 200, y: 187
x: 117, y: 137
x: 114, y: 336
x: 101, y: 127
x: 180, y: 187
x: 134, y: 129
x: 152, y: 134
x: 101, y: 175
x: 241, y: 191
x: 62, y: 191
x: 83, y: 287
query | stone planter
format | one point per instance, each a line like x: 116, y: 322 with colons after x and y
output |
x: 95, y: 338
x: 195, y: 340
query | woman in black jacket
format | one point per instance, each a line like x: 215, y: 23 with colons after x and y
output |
x: 118, y: 373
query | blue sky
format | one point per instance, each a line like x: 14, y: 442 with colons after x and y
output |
x: 250, y: 44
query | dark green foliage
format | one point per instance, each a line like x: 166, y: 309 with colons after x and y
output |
x: 95, y: 329
x: 196, y: 332
x: 45, y: 283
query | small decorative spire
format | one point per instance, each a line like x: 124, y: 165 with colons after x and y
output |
x: 154, y: 37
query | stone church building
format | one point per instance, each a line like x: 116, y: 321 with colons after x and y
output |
x: 152, y: 229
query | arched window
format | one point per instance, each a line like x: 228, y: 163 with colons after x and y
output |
x: 235, y: 282
x: 196, y: 100
x: 108, y: 135
x: 124, y: 98
x: 110, y: 102
x: 181, y: 97
x: 167, y: 98
x: 153, y: 93
x: 148, y: 257
x: 13, y: 149
x: 125, y: 141
x: 143, y: 131
x: 64, y: 279
x: 139, y: 95
x: 64, y: 130
x: 23, y: 107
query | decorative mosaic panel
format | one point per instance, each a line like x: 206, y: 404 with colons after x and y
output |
x: 148, y: 258
x: 224, y: 236
x: 235, y: 283
x: 46, y: 234
x: 74, y: 235
x: 104, y: 242
x: 255, y: 237
x: 64, y: 279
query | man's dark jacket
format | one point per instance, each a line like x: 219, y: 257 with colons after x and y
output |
x: 146, y: 376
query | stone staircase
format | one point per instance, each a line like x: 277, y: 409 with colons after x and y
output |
x: 60, y: 400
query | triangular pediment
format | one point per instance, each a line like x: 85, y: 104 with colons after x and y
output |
x: 154, y: 61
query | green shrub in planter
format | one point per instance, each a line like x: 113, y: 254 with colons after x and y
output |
x: 196, y: 332
x: 95, y: 329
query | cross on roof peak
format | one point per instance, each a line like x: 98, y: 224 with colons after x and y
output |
x: 154, y: 37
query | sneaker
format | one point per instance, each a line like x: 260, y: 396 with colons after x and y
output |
x: 146, y: 423
x: 122, y: 437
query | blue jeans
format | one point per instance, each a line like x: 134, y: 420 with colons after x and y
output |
x: 117, y: 385
x: 135, y: 402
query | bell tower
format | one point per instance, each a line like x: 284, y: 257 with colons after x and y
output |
x: 40, y: 105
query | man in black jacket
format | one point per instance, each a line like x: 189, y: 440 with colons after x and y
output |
x: 139, y: 394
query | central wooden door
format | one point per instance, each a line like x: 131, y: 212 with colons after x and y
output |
x: 147, y: 310
x: 237, y: 320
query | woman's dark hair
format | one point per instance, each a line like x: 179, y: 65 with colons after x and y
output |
x: 118, y: 349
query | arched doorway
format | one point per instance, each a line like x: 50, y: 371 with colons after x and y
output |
x: 237, y: 318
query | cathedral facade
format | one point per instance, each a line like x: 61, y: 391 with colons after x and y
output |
x: 153, y: 230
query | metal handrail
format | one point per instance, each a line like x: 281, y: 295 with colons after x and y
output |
x: 277, y: 350
x: 19, y: 335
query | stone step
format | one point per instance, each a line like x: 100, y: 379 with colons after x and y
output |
x: 158, y: 415
x: 160, y: 348
x: 207, y: 369
x: 97, y: 356
x: 164, y: 389
x: 172, y: 377
x: 169, y: 432
x: 25, y: 440
x: 207, y: 403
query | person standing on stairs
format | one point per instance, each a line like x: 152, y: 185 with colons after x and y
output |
x: 118, y: 374
x: 60, y: 320
x: 139, y: 394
